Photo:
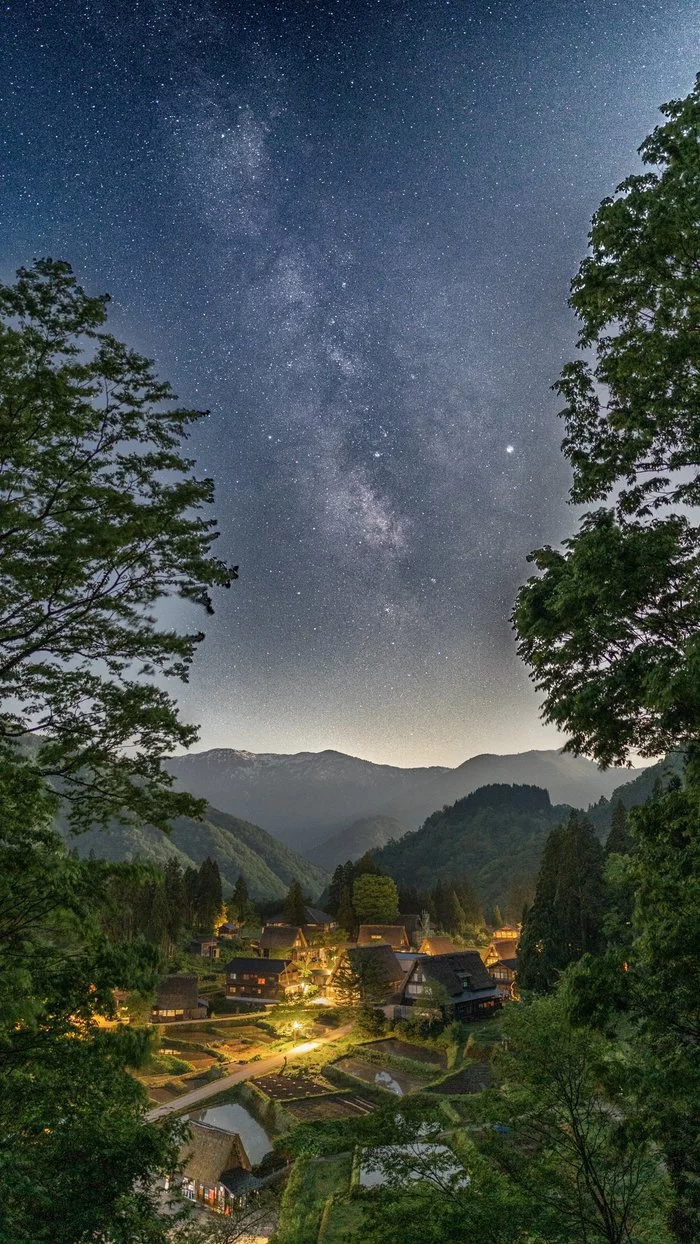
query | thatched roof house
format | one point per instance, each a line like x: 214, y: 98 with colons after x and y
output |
x: 393, y: 935
x: 215, y: 1167
x: 208, y: 1152
x: 177, y: 997
x: 282, y: 937
x: 438, y: 945
x: 468, y: 988
x: 501, y: 950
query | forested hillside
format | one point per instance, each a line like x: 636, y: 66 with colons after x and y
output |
x: 237, y: 846
x: 495, y: 837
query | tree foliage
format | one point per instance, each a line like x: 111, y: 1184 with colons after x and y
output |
x: 295, y: 905
x: 375, y: 899
x: 610, y: 627
x: 77, y: 1159
x: 565, y: 920
x: 101, y: 517
x: 573, y: 1144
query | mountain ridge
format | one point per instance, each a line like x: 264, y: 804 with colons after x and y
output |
x: 306, y: 798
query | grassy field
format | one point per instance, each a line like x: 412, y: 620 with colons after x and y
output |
x: 308, y: 1188
x: 342, y: 1221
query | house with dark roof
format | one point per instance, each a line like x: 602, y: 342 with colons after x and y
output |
x: 461, y: 979
x: 261, y: 978
x: 288, y: 938
x: 315, y: 921
x: 177, y: 997
x: 215, y: 1168
x: 502, y: 949
x: 413, y: 924
x: 369, y: 974
x: 204, y: 948
x: 393, y: 935
x: 501, y: 959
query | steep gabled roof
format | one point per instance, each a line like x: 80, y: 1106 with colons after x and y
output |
x: 210, y: 1152
x: 393, y: 935
x: 314, y: 915
x: 458, y: 973
x: 264, y: 967
x: 179, y: 990
x: 280, y: 936
x: 500, y: 950
x: 412, y: 923
x: 438, y: 946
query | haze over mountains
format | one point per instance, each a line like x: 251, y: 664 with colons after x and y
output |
x: 268, y: 865
x: 307, y: 798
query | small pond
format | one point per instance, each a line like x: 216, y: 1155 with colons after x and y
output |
x: 233, y: 1117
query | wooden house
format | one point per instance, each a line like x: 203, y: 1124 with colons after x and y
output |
x: 462, y: 978
x: 177, y: 997
x: 261, y: 978
x: 507, y: 933
x: 286, y: 938
x: 437, y: 944
x: 215, y: 1168
x: 413, y: 924
x: 393, y: 935
x: 498, y: 950
x: 501, y: 959
x: 204, y: 948
x: 315, y: 921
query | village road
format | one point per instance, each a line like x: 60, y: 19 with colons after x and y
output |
x: 246, y: 1072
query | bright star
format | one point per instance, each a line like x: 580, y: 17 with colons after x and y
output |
x: 510, y: 449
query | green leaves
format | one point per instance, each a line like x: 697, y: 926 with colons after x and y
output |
x: 609, y: 627
x: 101, y: 517
x: 609, y: 630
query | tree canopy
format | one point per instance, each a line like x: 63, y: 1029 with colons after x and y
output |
x: 610, y: 627
x: 101, y: 517
x: 375, y: 899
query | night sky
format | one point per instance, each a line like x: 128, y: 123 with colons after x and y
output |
x: 347, y: 229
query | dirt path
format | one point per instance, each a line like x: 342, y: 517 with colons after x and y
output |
x: 247, y: 1072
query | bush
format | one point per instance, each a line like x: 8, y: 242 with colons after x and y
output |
x: 168, y: 1064
x: 372, y: 1021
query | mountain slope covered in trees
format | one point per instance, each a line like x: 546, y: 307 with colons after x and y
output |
x: 237, y: 846
x: 495, y: 837
x: 370, y: 833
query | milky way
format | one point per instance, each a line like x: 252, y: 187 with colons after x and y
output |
x: 347, y: 230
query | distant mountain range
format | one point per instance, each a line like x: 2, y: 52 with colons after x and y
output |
x: 309, y: 798
x: 495, y: 836
x: 267, y: 864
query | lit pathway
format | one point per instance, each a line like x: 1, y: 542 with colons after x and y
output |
x: 247, y: 1072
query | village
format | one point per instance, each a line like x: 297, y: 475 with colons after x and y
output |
x: 276, y: 1029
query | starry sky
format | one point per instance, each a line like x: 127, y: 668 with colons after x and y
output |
x: 347, y: 229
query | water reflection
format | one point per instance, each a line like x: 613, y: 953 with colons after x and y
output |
x: 232, y: 1117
